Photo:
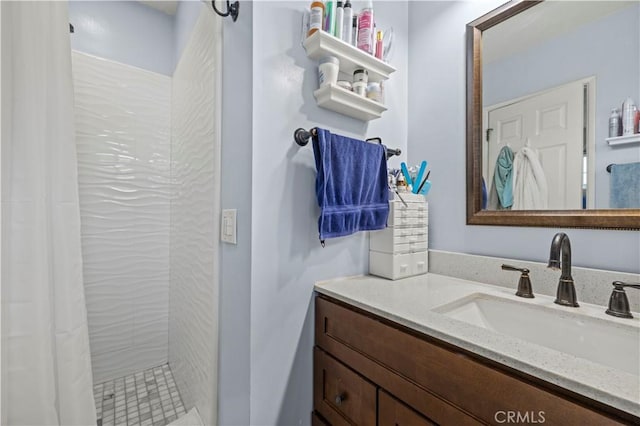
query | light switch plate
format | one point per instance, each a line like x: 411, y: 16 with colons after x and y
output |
x: 228, y: 228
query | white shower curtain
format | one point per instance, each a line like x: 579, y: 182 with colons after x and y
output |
x: 46, y: 365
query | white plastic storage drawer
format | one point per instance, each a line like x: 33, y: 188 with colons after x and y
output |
x: 389, y: 265
x: 420, y: 263
x: 395, y: 240
x: 397, y: 209
x: 396, y: 266
x: 407, y: 222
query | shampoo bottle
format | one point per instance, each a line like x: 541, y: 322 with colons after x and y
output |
x: 365, y: 28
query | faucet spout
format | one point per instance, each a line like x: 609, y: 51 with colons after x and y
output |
x: 560, y: 258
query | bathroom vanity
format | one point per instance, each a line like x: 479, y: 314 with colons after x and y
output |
x: 401, y: 353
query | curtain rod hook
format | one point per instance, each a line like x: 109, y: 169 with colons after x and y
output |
x: 232, y: 9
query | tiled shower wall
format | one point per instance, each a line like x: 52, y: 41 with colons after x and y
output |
x: 193, y: 325
x: 123, y: 135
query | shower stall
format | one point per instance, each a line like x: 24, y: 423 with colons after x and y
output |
x: 146, y: 122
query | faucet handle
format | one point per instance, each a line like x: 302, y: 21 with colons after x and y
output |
x: 513, y: 268
x: 524, y: 285
x: 618, y: 302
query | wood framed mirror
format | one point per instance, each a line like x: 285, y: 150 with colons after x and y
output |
x: 598, y: 215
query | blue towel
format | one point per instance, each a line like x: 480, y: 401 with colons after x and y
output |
x: 351, y: 185
x: 624, y: 190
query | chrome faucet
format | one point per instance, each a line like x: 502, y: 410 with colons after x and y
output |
x: 566, y: 294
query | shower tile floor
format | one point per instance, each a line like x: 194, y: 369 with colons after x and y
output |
x: 146, y: 398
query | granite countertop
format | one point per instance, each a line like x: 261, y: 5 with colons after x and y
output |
x: 410, y: 302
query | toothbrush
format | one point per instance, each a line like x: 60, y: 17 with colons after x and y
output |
x: 406, y: 174
x: 427, y: 187
x: 423, y: 167
x: 423, y: 182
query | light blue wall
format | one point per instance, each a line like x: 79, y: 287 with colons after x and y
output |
x: 124, y: 31
x: 437, y: 132
x: 184, y: 21
x: 286, y: 256
x: 235, y: 264
x: 608, y: 49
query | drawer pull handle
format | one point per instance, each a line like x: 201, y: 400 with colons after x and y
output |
x: 340, y: 398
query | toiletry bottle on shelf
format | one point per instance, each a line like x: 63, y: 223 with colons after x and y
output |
x: 614, y: 123
x: 628, y: 117
x: 365, y: 28
x: 339, y: 18
x: 347, y: 22
x: 379, y: 48
x: 373, y: 38
x: 328, y: 69
x: 330, y: 17
x: 360, y: 80
x: 354, y: 31
x: 316, y: 16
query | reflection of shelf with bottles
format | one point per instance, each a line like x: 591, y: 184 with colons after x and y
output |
x: 624, y: 140
x: 348, y: 103
x: 321, y: 44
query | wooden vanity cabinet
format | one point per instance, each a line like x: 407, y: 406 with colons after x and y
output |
x: 371, y: 371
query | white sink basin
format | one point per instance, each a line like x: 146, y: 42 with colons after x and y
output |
x: 609, y: 343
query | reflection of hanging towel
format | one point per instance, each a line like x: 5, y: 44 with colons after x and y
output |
x: 351, y: 185
x: 501, y: 195
x: 530, y: 190
x: 624, y: 191
x: 484, y: 195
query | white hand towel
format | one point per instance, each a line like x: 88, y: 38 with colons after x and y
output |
x: 530, y: 190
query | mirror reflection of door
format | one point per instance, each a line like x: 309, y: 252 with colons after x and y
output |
x: 552, y: 122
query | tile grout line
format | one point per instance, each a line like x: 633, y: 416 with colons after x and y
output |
x: 160, y: 377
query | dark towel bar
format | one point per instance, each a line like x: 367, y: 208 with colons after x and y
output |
x: 302, y: 136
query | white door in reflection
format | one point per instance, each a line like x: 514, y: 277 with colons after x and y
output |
x: 553, y: 123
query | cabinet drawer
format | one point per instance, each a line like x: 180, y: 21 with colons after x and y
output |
x: 316, y: 420
x: 446, y: 372
x: 340, y: 395
x: 392, y: 412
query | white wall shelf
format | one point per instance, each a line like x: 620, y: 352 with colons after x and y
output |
x: 348, y: 103
x: 321, y: 44
x: 624, y: 140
